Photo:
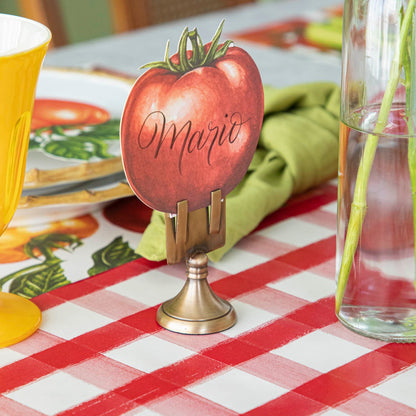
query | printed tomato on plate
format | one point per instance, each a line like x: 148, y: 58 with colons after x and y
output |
x: 191, y: 124
x: 51, y: 112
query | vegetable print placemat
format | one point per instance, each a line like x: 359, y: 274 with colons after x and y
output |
x: 37, y: 258
x: 321, y: 31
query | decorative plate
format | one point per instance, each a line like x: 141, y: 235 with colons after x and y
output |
x: 75, y: 128
x: 82, y: 198
x: 74, y: 162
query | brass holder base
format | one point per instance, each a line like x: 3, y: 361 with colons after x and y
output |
x: 196, y: 309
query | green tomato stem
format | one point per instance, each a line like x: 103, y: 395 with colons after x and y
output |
x: 359, y: 204
x: 198, y: 58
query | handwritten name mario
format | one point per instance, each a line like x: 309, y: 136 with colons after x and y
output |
x: 155, y: 135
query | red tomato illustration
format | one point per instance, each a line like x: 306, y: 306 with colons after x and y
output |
x: 49, y: 112
x: 191, y: 124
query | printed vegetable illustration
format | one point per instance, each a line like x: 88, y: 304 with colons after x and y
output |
x: 48, y: 112
x: 114, y: 254
x: 191, y: 123
x: 14, y: 240
x: 73, y: 130
x: 48, y: 274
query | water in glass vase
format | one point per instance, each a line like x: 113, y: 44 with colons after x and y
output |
x: 380, y: 296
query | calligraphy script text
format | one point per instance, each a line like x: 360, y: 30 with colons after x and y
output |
x: 185, y: 138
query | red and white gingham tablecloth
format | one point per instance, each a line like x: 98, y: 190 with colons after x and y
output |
x: 100, y: 351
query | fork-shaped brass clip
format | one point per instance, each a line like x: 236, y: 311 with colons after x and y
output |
x: 202, y: 230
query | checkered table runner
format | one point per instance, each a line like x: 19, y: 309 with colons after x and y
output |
x: 100, y: 351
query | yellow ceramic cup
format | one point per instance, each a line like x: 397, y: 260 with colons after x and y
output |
x: 23, y: 45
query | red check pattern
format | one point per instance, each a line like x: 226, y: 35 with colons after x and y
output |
x: 100, y: 351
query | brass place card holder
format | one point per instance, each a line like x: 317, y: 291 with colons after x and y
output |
x: 196, y: 309
x: 182, y: 154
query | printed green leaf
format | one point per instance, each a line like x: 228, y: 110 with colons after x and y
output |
x: 76, y: 142
x: 105, y: 131
x: 34, y: 143
x: 68, y: 149
x: 40, y: 280
x: 45, y: 243
x: 114, y: 254
x: 99, y: 147
x: 48, y: 274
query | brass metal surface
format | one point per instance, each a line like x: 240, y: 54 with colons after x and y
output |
x: 200, y: 230
x: 196, y: 309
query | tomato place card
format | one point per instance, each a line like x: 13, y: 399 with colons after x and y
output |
x: 191, y: 123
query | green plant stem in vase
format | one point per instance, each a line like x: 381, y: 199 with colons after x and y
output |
x: 409, y: 70
x: 359, y: 203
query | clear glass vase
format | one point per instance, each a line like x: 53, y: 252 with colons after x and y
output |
x: 375, y: 265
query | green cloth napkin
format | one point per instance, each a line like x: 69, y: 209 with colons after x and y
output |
x: 297, y: 150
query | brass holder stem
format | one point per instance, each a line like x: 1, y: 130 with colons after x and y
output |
x: 196, y: 309
x: 189, y: 235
